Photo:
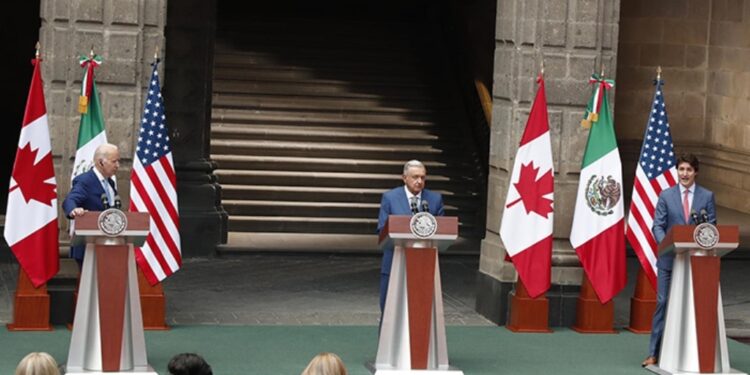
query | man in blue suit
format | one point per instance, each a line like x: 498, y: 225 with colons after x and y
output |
x: 94, y: 190
x: 398, y: 201
x: 675, y: 206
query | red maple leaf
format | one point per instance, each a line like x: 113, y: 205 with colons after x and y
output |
x: 30, y: 177
x: 533, y: 190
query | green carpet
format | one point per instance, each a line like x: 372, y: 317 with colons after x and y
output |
x: 235, y: 350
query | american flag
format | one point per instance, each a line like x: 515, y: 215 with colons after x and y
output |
x: 153, y: 189
x: 656, y: 171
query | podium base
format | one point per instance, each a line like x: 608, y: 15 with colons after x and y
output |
x: 393, y: 371
x: 148, y: 371
x: 658, y: 370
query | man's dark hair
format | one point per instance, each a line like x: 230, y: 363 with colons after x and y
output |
x: 188, y: 364
x: 690, y: 159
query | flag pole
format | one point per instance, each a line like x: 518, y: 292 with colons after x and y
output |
x: 643, y: 301
x: 31, y: 307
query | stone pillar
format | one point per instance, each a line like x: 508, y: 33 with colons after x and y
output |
x: 124, y: 34
x: 190, y: 49
x: 574, y: 38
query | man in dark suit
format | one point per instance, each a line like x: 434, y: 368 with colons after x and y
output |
x: 94, y: 190
x: 675, y: 207
x: 398, y: 201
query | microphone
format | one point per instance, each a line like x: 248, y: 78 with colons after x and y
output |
x: 105, y: 201
x: 704, y: 215
x: 425, y: 206
x: 694, y: 215
x: 413, y: 205
x: 118, y: 202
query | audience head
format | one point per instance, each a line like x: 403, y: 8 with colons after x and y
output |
x: 188, y: 364
x: 37, y: 363
x: 325, y: 364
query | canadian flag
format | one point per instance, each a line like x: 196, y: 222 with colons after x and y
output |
x: 31, y: 217
x: 526, y: 228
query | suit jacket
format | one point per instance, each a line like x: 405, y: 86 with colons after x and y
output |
x: 395, y: 202
x: 86, y: 193
x: 669, y: 212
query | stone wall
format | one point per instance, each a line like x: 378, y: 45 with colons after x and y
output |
x: 574, y: 38
x: 726, y: 148
x: 703, y: 48
x: 125, y: 34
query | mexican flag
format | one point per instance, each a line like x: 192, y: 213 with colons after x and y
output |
x: 91, y: 131
x: 31, y: 217
x: 598, y: 232
x: 526, y: 229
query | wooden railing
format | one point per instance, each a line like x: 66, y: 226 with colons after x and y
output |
x: 485, y: 99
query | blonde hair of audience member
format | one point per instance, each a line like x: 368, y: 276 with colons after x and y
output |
x: 325, y: 364
x: 37, y: 363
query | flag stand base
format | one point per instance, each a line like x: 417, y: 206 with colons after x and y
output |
x: 152, y: 304
x: 31, y: 306
x: 642, y: 305
x: 591, y: 315
x: 528, y: 315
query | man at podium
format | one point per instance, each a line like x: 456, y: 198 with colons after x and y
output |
x: 684, y: 203
x: 94, y: 190
x: 405, y: 200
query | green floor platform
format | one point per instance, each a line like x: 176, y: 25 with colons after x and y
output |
x: 270, y: 350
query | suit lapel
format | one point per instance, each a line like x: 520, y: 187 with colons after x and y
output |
x: 677, y: 204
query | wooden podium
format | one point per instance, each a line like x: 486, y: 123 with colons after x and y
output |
x: 412, y: 333
x: 107, y: 332
x: 694, y: 338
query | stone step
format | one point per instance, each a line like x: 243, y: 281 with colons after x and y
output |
x: 344, y: 120
x: 321, y: 134
x: 314, y: 90
x: 457, y: 198
x: 303, y: 99
x: 331, y: 149
x: 252, y: 242
x: 356, y: 80
x: 308, y: 224
x: 336, y: 179
x: 310, y: 164
x: 355, y: 61
x: 319, y: 209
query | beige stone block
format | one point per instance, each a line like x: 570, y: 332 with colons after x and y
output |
x: 727, y: 10
x: 504, y: 62
x: 565, y: 202
x: 497, y: 190
x: 124, y: 12
x: 527, y: 25
x: 715, y: 57
x: 687, y: 80
x: 555, y: 127
x: 683, y: 31
x: 696, y: 57
x: 58, y: 10
x: 698, y: 9
x: 586, y: 10
x: 720, y: 83
x: 61, y: 59
x: 502, y: 118
x: 581, y: 66
x: 735, y: 59
x: 728, y: 34
x: 686, y: 129
x: 690, y: 105
x: 643, y: 30
x: 505, y: 23
x: 672, y: 55
x: 154, y: 12
x: 89, y: 10
x: 584, y: 34
x: 567, y: 92
x: 651, y: 55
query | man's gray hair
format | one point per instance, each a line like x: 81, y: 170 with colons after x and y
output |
x: 414, y: 164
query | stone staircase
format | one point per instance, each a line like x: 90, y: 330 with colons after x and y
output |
x: 313, y: 120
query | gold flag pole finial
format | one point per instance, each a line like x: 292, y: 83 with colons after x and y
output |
x: 156, y: 53
x: 602, y: 75
x: 541, y: 67
x: 38, y: 47
x: 658, y: 73
x: 91, y: 53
